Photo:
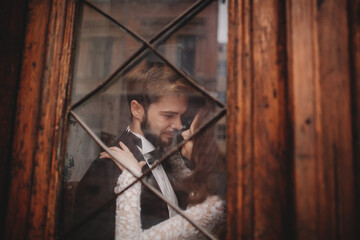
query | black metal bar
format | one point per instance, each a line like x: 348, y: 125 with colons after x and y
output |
x: 148, y: 45
x: 103, y: 206
x: 187, y: 78
x: 166, y: 32
x: 180, y: 21
x: 189, y: 13
x: 216, y: 117
x: 109, y: 80
x: 144, y: 41
x: 151, y: 188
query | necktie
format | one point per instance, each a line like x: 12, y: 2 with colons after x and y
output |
x: 154, y: 155
x: 163, y: 181
x: 158, y: 173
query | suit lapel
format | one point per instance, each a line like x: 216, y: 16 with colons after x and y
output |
x: 128, y: 141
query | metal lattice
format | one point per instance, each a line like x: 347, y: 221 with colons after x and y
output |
x: 148, y: 46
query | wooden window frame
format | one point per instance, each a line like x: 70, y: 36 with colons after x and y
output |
x: 271, y: 134
x: 40, y: 120
x: 293, y: 119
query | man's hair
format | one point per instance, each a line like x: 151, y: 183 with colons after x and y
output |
x: 149, y: 81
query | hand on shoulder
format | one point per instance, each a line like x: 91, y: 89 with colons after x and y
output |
x: 123, y: 156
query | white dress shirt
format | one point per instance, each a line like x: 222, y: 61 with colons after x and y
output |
x: 158, y: 172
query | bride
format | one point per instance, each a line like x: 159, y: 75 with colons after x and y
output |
x: 205, y: 183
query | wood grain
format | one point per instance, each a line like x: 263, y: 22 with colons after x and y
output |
x: 304, y: 87
x: 12, y: 25
x: 258, y: 198
x: 293, y: 120
x: 294, y: 111
x: 40, y: 112
x: 239, y: 156
x: 354, y: 28
x: 269, y: 119
x: 320, y: 89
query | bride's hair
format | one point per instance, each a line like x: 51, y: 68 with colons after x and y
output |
x: 208, y: 176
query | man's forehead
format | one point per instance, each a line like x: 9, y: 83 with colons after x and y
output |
x: 179, y: 99
x: 171, y: 103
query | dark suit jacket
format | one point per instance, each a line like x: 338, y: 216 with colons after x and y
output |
x: 96, y: 189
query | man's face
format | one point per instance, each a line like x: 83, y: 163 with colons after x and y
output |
x: 163, y: 119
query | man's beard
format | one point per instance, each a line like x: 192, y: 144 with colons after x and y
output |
x: 150, y: 136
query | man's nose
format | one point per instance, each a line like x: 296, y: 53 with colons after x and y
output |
x: 177, y: 124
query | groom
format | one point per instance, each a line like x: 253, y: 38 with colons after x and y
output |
x: 157, y: 99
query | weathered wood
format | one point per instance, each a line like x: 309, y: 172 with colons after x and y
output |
x: 269, y: 122
x: 257, y: 167
x: 63, y: 101
x: 304, y: 90
x: 316, y: 145
x: 319, y: 75
x: 337, y: 146
x: 240, y: 204
x: 26, y: 121
x: 354, y: 24
x: 41, y: 105
x: 12, y: 25
x: 272, y: 163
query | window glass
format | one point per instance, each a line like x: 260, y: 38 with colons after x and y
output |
x: 101, y: 48
x: 166, y: 102
x: 145, y: 17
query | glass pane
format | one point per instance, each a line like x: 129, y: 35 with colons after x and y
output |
x: 145, y: 17
x: 101, y: 48
x: 199, y: 49
x: 152, y: 109
x: 107, y: 113
x: 208, y: 177
x: 81, y: 151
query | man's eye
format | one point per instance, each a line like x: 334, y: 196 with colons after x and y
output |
x: 168, y: 116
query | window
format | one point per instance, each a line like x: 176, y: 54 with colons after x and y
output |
x: 117, y: 40
x: 284, y: 182
x: 186, y: 53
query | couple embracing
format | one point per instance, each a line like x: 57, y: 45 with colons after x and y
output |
x: 192, y: 179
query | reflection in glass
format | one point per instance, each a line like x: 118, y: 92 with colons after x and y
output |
x: 201, y: 182
x: 144, y: 17
x: 81, y: 151
x: 106, y: 113
x: 198, y: 51
x: 101, y: 48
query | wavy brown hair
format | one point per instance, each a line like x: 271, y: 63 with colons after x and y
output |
x: 149, y: 81
x: 208, y: 176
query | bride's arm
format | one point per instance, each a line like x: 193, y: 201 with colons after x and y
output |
x: 208, y: 214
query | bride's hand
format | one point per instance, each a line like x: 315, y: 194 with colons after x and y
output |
x: 124, y: 154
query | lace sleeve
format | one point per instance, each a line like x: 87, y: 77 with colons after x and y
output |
x: 208, y: 214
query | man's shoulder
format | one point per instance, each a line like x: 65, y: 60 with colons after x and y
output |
x: 102, y: 167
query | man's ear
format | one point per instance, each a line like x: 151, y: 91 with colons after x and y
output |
x: 137, y: 110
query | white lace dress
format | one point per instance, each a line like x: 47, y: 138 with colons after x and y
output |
x: 207, y: 214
